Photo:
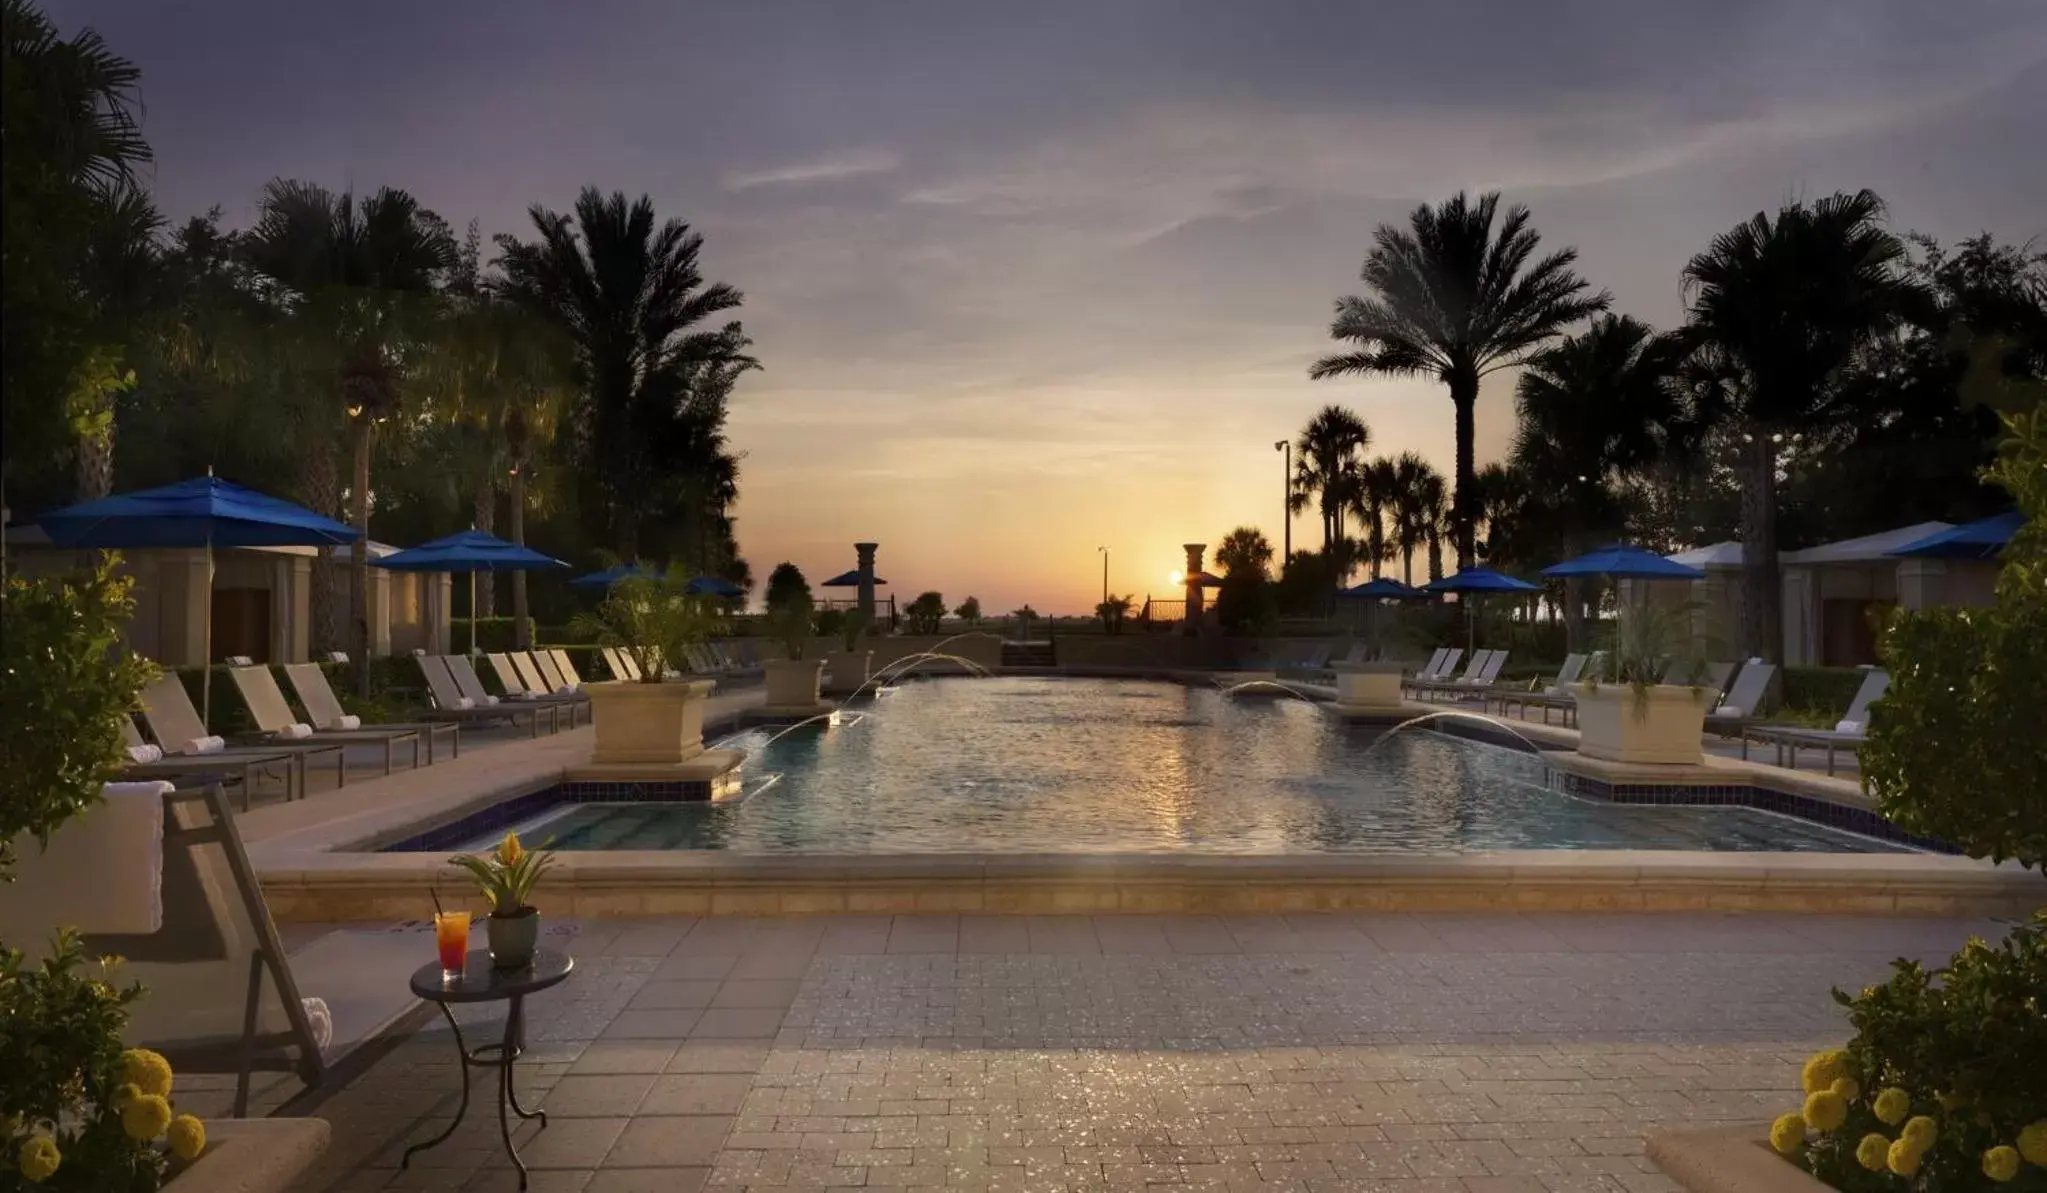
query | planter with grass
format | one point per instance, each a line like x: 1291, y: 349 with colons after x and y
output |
x: 1647, y: 706
x: 846, y: 670
x: 794, y: 681
x: 653, y: 721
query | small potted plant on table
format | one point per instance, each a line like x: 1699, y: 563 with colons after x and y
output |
x: 848, y: 668
x: 652, y: 720
x: 506, y: 876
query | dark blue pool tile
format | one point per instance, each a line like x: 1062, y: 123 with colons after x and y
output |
x: 1804, y: 807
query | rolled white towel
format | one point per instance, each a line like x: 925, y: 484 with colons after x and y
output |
x: 240, y: 660
x: 1853, y: 728
x: 211, y: 744
x: 567, y: 689
x: 337, y: 656
x: 322, y: 1021
x: 464, y: 702
x: 146, y: 752
x: 489, y: 700
x: 294, y: 731
x: 348, y: 721
x: 1730, y: 710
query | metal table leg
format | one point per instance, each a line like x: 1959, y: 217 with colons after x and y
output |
x: 499, y: 1056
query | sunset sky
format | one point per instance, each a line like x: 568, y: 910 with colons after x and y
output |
x: 1030, y: 279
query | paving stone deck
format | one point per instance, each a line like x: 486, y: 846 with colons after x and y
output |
x: 1395, y: 1053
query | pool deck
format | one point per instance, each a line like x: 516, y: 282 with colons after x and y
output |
x: 315, y: 863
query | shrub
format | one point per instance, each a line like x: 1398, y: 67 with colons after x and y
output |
x: 1821, y: 692
x: 1955, y: 746
x: 925, y: 614
x: 76, y: 1110
x: 1944, y: 1069
x: 65, y: 682
x: 492, y: 633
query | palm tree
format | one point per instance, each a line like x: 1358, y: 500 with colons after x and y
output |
x: 631, y: 297
x: 1325, y: 470
x: 1244, y: 553
x: 1451, y: 299
x: 356, y: 282
x: 1776, y: 308
x: 1594, y: 410
x: 1373, y: 504
x: 1413, y: 484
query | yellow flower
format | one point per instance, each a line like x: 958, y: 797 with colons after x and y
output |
x: 1787, y: 1134
x: 1870, y: 1153
x: 146, y: 1117
x: 187, y: 1137
x: 1825, y: 1110
x: 1847, y: 1088
x: 510, y: 851
x: 125, y: 1093
x: 39, y: 1158
x: 2001, y: 1164
x: 146, y: 1071
x: 2033, y: 1143
x: 1892, y: 1105
x: 1902, y: 1158
x: 1823, y: 1069
x: 1920, y: 1131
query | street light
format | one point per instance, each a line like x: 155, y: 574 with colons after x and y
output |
x: 1286, y: 511
x: 1105, y: 573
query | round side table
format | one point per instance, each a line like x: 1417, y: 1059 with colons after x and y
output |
x: 481, y: 983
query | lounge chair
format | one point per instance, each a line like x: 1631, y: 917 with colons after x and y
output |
x: 227, y: 767
x: 273, y: 716
x: 567, y: 666
x: 323, y: 707
x: 1472, y: 670
x: 1557, y: 689
x: 224, y: 997
x: 1314, y: 660
x: 470, y: 692
x: 1445, y: 666
x: 1434, y: 666
x: 557, y: 683
x: 452, y: 704
x: 1739, y: 709
x: 619, y: 664
x: 167, y: 709
x: 1847, y: 734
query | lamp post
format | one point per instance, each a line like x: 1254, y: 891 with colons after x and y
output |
x: 1286, y: 502
x: 1105, y: 573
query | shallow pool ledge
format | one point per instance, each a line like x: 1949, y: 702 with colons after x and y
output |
x: 344, y: 886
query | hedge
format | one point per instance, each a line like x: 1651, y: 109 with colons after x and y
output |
x: 1821, y: 691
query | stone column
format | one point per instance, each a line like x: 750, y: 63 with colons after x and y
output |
x: 866, y: 554
x: 1922, y: 583
x: 1801, y: 616
x: 290, y: 603
x: 185, y: 607
x: 436, y: 599
x: 1194, y: 589
x: 378, y: 611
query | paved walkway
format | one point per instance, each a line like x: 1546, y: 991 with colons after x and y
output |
x: 1399, y: 1053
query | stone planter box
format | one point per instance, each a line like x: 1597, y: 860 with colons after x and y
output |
x: 648, y: 723
x: 793, y: 683
x: 254, y: 1155
x: 1367, y: 686
x: 846, y: 671
x: 1662, y: 723
x: 1730, y: 1160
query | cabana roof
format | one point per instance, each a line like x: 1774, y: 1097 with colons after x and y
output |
x: 1870, y: 548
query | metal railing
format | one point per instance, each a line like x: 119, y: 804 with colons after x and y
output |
x: 1159, y: 614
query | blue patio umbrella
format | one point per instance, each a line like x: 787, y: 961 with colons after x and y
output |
x: 469, y: 551
x: 1623, y: 562
x: 204, y: 512
x: 1477, y: 580
x: 1384, y: 588
x: 1981, y: 539
x: 851, y: 580
x: 612, y: 575
x: 713, y: 586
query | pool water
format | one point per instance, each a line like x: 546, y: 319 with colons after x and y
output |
x: 1038, y: 765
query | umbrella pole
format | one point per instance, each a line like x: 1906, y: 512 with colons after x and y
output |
x: 206, y: 655
x: 472, y: 612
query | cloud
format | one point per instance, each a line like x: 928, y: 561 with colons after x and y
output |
x: 829, y: 168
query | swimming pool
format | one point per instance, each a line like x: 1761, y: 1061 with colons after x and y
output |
x: 1058, y: 765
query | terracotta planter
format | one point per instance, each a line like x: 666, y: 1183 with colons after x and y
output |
x: 513, y: 938
x: 846, y: 670
x: 658, y: 723
x: 793, y: 683
x: 1659, y: 724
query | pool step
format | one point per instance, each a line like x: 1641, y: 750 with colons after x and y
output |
x: 1028, y: 654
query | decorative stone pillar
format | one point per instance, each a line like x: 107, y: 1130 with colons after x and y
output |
x: 866, y: 567
x: 1922, y: 583
x: 185, y: 607
x: 1193, y: 582
x: 290, y: 608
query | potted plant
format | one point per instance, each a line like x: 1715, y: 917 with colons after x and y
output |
x: 848, y: 667
x: 505, y: 876
x: 793, y: 681
x: 654, y: 720
x: 1647, y: 702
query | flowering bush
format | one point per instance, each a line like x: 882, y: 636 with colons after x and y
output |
x: 1944, y: 1085
x: 77, y: 1111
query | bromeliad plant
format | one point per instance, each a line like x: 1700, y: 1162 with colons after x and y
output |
x: 506, y: 875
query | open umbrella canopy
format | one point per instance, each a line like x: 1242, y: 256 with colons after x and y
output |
x: 1981, y: 539
x: 850, y: 580
x: 612, y: 575
x: 1480, y: 580
x: 468, y: 551
x: 204, y: 511
x: 1383, y: 588
x: 713, y: 586
x: 1624, y: 563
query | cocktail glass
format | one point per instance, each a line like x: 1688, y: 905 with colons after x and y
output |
x: 451, y: 934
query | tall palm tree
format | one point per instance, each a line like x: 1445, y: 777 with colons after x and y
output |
x: 631, y: 297
x: 1417, y: 488
x: 1326, y: 470
x: 1451, y: 298
x: 1777, y: 307
x: 1593, y: 410
x: 1373, y: 505
x: 1244, y: 553
x: 356, y: 281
